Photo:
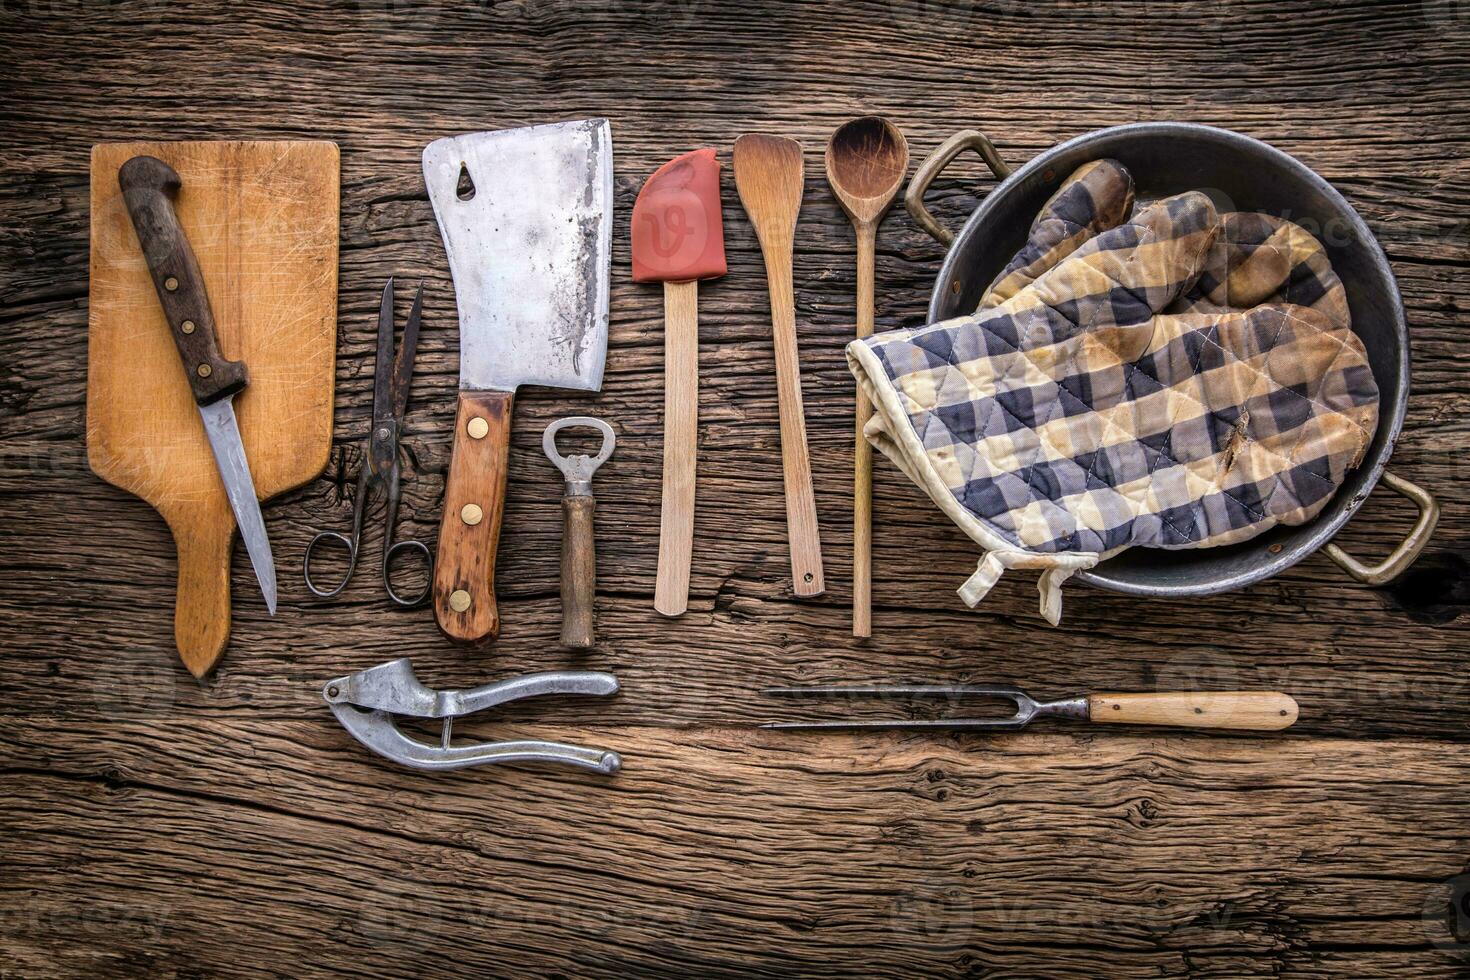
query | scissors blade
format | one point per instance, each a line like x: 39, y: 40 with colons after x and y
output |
x: 229, y: 455
x: 383, y: 369
x: 403, y: 366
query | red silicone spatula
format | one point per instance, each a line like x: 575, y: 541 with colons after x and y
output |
x: 679, y: 239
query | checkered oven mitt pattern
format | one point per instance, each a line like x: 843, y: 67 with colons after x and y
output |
x: 1166, y: 376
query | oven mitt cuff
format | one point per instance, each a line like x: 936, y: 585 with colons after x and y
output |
x: 889, y: 432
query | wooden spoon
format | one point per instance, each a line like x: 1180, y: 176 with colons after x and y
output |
x: 768, y: 175
x: 867, y: 160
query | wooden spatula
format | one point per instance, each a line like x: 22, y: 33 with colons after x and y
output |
x: 679, y: 239
x: 768, y: 175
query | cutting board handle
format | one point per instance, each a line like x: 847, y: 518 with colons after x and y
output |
x: 469, y: 530
x: 202, y: 609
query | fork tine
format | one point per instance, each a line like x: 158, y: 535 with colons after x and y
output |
x: 880, y: 690
x: 902, y: 724
x: 1024, y: 703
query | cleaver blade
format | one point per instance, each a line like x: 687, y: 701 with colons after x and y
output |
x: 526, y: 218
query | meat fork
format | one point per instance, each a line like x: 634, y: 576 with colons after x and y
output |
x: 1265, y: 711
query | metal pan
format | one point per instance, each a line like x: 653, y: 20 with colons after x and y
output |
x: 1239, y: 173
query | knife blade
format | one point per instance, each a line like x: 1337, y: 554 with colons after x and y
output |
x: 149, y: 187
x: 526, y: 218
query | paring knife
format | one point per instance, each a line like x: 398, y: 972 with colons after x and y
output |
x: 526, y: 217
x: 149, y: 186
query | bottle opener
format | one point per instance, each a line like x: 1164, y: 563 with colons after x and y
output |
x: 578, y: 542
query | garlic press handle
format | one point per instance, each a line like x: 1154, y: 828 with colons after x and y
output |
x: 474, y: 699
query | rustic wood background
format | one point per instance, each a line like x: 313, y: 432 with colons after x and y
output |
x: 154, y: 825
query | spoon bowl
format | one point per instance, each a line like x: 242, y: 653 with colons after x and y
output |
x: 867, y: 160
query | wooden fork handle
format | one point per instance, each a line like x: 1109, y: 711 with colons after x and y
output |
x: 1261, y: 711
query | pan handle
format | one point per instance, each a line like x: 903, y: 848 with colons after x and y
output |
x: 913, y: 198
x: 1403, y: 556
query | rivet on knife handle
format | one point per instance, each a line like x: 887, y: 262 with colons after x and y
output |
x: 464, y: 577
x: 149, y: 186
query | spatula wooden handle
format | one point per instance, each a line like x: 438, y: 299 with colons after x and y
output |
x: 469, y: 531
x: 801, y: 506
x: 1261, y: 711
x: 681, y: 441
x: 578, y: 571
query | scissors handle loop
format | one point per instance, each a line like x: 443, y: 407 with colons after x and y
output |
x: 390, y: 554
x: 337, y: 538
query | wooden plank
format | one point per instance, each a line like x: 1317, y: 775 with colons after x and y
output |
x: 160, y: 826
x: 908, y: 855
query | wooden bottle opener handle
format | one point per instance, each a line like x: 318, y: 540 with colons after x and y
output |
x: 578, y: 570
x: 1260, y: 711
x: 469, y: 531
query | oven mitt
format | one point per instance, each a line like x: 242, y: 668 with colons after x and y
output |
x: 1098, y: 196
x: 1183, y: 379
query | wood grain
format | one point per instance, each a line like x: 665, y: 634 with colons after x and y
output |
x: 157, y: 826
x: 680, y: 447
x: 474, y: 508
x: 261, y: 218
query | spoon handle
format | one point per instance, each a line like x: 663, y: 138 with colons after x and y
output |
x: 862, y: 483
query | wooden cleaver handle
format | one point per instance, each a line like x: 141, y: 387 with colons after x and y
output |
x: 469, y: 531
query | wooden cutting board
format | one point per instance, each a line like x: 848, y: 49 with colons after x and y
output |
x: 262, y: 219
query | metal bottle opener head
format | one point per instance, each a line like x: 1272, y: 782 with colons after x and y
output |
x: 367, y: 701
x: 578, y: 467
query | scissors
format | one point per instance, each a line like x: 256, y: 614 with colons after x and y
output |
x: 380, y: 457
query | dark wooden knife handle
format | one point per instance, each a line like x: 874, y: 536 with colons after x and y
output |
x: 149, y: 186
x: 469, y: 531
x: 578, y: 570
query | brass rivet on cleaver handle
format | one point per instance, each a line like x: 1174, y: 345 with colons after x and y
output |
x: 464, y: 574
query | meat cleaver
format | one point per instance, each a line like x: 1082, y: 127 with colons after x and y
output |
x: 526, y: 217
